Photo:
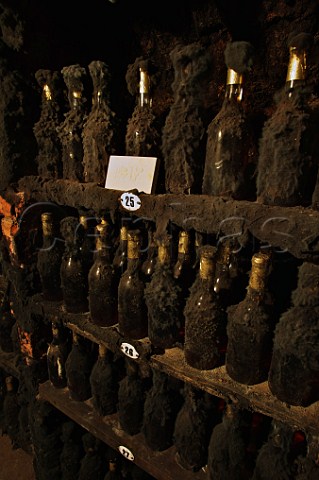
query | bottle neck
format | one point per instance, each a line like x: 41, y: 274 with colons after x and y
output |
x: 75, y: 99
x: 234, y: 86
x: 144, y: 99
x: 206, y: 268
x: 47, y: 94
x: 163, y: 255
x: 296, y: 72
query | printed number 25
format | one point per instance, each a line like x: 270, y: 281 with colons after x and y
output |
x: 129, y: 201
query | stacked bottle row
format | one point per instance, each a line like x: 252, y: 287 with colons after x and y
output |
x: 228, y: 157
x: 205, y: 432
x: 219, y: 309
x: 65, y: 451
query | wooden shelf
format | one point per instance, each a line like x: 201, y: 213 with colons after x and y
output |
x: 161, y: 465
x: 257, y: 397
x: 8, y: 362
x: 292, y: 229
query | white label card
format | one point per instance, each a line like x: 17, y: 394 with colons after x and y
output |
x: 126, y: 453
x: 130, y: 202
x: 129, y: 350
x: 128, y: 173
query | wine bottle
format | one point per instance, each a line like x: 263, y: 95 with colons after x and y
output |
x: 276, y: 458
x: 250, y: 327
x: 287, y: 164
x: 131, y: 398
x: 11, y: 410
x: 205, y: 319
x: 192, y: 430
x: 183, y: 136
x: 162, y: 298
x: 307, y: 463
x: 49, y: 259
x: 149, y: 264
x: 104, y: 383
x: 78, y: 367
x: 57, y: 354
x: 227, y: 447
x: 87, y: 244
x: 102, y: 281
x: 161, y: 407
x: 74, y: 281
x: 99, y: 129
x: 114, y: 472
x: 231, y: 148
x: 72, y: 450
x: 70, y: 130
x: 229, y: 282
x: 294, y: 371
x: 142, y: 137
x: 132, y: 312
x: 49, y: 155
x: 93, y: 466
x: 120, y: 256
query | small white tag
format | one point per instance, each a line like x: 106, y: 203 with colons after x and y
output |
x: 126, y: 453
x: 130, y: 201
x: 129, y: 350
x: 129, y: 173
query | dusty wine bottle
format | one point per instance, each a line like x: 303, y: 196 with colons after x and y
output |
x: 99, y: 129
x: 132, y: 312
x: 294, y: 370
x: 183, y: 137
x: 288, y: 150
x: 57, y: 355
x: 87, y: 244
x: 74, y: 282
x: 192, y: 430
x: 49, y: 156
x: 72, y: 450
x: 162, y: 297
x: 161, y: 407
x: 102, y: 281
x: 49, y: 259
x: 70, y: 130
x: 131, y: 398
x: 11, y: 410
x: 250, y: 327
x: 120, y: 256
x: 227, y: 457
x: 205, y: 319
x: 231, y: 152
x: 148, y: 265
x: 78, y: 367
x: 104, y: 383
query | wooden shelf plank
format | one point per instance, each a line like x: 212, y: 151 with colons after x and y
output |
x: 161, y: 465
x: 257, y: 397
x: 293, y: 229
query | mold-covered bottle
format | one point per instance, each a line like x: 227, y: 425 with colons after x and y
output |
x: 70, y: 130
x: 288, y: 152
x: 99, y: 130
x: 131, y: 398
x: 132, y: 312
x: 49, y: 155
x: 104, y: 383
x: 102, y: 281
x: 161, y: 407
x: 78, y: 367
x: 294, y: 370
x: 205, y: 319
x: 50, y: 258
x: 57, y: 355
x: 231, y: 151
x: 162, y: 297
x: 74, y: 281
x: 250, y: 327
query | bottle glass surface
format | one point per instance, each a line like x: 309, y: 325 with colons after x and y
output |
x: 57, y: 354
x: 132, y: 314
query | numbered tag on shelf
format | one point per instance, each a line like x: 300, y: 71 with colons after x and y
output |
x: 131, y: 202
x: 129, y: 350
x: 126, y: 453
